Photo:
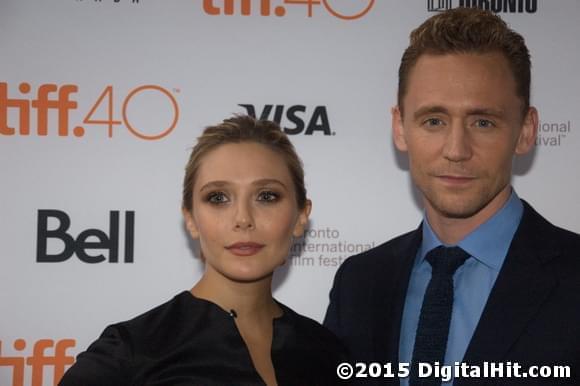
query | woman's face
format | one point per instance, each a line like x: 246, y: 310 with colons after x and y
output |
x: 244, y: 211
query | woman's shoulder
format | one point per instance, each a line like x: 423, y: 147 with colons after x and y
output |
x: 311, y: 332
x: 174, y: 311
x: 111, y: 359
x: 304, y: 351
x: 178, y: 320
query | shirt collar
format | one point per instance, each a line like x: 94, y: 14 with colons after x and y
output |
x: 489, y: 242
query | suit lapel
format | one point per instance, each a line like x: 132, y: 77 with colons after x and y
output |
x: 390, y: 288
x: 522, y: 285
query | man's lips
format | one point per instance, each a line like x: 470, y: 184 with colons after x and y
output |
x: 455, y: 179
x: 245, y: 248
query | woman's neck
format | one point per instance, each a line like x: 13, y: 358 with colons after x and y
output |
x: 249, y: 301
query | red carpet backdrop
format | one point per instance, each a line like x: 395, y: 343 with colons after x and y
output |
x: 101, y: 101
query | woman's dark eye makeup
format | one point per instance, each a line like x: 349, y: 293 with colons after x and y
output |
x: 268, y: 196
x: 219, y: 197
x: 216, y: 197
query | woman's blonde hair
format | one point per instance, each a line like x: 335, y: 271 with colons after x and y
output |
x: 238, y: 129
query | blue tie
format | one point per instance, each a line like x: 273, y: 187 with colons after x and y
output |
x: 435, y: 317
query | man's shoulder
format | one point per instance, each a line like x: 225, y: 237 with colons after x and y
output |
x: 555, y: 249
x: 543, y: 232
x: 567, y: 238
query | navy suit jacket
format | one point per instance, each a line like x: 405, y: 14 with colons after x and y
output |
x: 532, y: 316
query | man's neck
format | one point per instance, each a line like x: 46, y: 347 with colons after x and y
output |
x: 452, y: 230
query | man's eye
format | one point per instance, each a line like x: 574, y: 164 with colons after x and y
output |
x: 268, y: 196
x: 484, y: 123
x: 433, y: 122
x: 217, y: 198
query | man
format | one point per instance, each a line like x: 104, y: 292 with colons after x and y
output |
x: 484, y: 278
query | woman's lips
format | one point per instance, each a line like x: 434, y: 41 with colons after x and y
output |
x: 245, y: 248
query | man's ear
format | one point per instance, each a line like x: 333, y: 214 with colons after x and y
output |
x: 398, y: 129
x: 190, y: 223
x: 302, y: 222
x: 528, y: 133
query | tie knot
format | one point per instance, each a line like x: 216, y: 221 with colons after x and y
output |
x: 446, y: 260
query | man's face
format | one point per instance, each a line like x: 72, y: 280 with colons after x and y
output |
x: 461, y: 123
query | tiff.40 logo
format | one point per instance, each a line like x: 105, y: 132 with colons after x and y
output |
x: 50, y: 100
x: 38, y: 361
x: 342, y: 9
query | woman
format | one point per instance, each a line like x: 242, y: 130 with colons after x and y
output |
x: 244, y: 200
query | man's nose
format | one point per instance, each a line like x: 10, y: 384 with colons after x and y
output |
x: 457, y: 146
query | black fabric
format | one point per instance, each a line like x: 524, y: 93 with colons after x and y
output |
x: 435, y: 316
x: 191, y: 341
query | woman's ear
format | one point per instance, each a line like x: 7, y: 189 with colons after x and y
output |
x: 190, y: 223
x: 302, y: 219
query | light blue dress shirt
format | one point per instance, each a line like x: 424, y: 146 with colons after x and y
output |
x: 487, y: 245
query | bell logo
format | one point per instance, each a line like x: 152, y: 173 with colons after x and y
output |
x: 296, y: 115
x: 86, y: 240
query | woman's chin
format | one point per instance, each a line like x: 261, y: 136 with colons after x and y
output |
x: 249, y: 276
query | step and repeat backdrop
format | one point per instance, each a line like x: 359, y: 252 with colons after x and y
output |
x: 101, y: 101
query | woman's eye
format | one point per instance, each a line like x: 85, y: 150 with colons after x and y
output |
x: 268, y: 196
x: 217, y: 198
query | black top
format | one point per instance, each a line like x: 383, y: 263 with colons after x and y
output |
x: 192, y: 341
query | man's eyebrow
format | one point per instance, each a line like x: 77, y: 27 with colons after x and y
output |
x: 487, y: 111
x: 430, y: 110
x: 474, y: 111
